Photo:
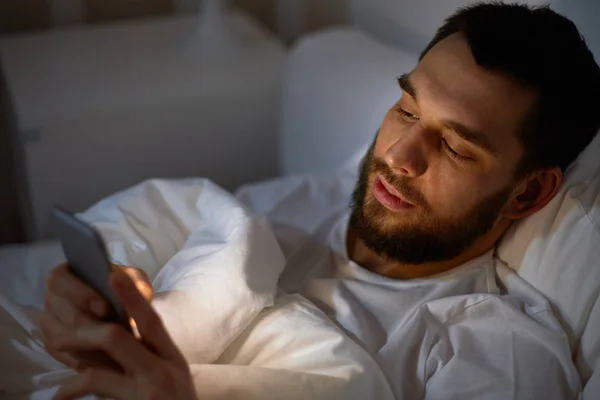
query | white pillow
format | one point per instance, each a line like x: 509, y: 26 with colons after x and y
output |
x: 557, y: 250
x: 339, y: 86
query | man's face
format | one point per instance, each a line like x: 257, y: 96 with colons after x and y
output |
x: 442, y: 167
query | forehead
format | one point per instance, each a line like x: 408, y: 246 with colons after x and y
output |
x: 451, y: 85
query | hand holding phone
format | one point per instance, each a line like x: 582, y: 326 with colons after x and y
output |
x: 88, y: 260
x: 77, y: 295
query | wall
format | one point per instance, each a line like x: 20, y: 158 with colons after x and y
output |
x: 22, y: 16
x: 409, y: 23
x: 25, y: 15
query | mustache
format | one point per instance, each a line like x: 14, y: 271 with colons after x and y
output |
x: 399, y: 183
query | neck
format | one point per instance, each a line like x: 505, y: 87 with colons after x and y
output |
x: 365, y: 257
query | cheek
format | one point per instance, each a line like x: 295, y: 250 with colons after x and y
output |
x: 451, y: 194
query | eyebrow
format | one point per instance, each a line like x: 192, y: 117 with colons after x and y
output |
x: 479, y: 139
x: 407, y: 86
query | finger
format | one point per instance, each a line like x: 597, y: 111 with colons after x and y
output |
x: 66, y: 312
x: 99, y: 382
x: 52, y: 330
x: 130, y: 354
x: 63, y: 283
x: 147, y: 320
x: 51, y: 327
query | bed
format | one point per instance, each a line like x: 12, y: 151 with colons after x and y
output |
x: 557, y: 250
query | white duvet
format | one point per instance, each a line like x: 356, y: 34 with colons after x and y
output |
x: 215, y: 268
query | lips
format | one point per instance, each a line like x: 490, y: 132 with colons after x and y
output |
x: 387, y: 195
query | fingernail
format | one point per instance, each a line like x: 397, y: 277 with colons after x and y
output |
x: 98, y: 308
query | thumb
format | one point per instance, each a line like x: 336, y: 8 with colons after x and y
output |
x: 139, y: 278
x: 151, y: 328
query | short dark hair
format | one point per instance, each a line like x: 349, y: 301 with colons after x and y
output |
x: 542, y: 50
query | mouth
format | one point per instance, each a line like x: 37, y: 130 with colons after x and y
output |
x: 388, y: 196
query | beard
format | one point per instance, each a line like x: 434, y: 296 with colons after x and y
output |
x: 432, y: 239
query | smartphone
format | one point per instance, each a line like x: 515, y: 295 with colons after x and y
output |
x: 88, y: 259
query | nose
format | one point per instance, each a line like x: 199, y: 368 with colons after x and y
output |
x: 407, y: 155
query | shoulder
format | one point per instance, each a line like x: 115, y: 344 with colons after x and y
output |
x: 497, y: 346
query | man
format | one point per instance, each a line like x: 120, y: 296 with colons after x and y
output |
x: 503, y: 99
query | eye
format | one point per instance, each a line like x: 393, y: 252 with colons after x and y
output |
x: 408, y: 117
x: 452, y: 153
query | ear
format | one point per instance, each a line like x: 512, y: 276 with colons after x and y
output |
x: 533, y: 193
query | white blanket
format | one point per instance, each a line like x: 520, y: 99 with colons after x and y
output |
x: 215, y: 268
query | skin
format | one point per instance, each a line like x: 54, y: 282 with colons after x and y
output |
x: 150, y: 368
x: 74, y: 304
x: 448, y: 85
